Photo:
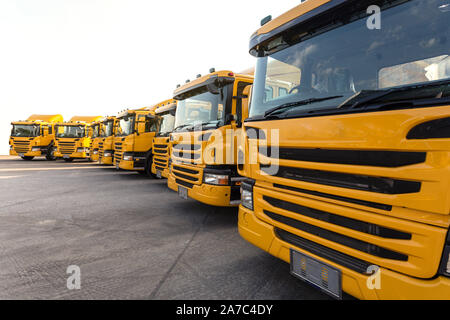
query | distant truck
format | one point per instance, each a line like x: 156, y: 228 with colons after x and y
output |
x: 34, y: 137
x: 133, y: 140
x: 95, y: 132
x: 161, y: 151
x: 106, y: 144
x: 73, y: 139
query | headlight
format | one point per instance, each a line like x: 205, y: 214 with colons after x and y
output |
x: 107, y: 154
x: 34, y: 149
x: 80, y: 150
x: 216, y: 179
x: 95, y: 152
x: 128, y: 158
x: 247, y: 195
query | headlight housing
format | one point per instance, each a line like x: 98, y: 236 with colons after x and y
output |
x: 247, y: 194
x: 34, y: 149
x: 128, y: 157
x: 216, y: 179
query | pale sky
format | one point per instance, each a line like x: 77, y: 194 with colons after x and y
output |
x: 97, y: 57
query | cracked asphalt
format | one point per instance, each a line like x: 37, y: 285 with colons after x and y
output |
x: 132, y: 238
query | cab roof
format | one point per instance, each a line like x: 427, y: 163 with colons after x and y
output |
x: 299, y: 14
x: 85, y: 119
x: 203, y: 80
x: 40, y: 118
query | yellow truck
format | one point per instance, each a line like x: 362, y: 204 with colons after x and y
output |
x: 347, y: 171
x: 95, y: 131
x: 106, y: 143
x: 73, y: 138
x: 133, y: 140
x: 209, y: 115
x: 161, y: 151
x: 34, y: 137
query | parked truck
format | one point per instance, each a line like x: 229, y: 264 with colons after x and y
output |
x: 95, y: 131
x: 133, y: 141
x: 34, y: 137
x: 161, y: 150
x: 106, y: 143
x: 347, y: 171
x: 209, y: 116
x: 74, y: 138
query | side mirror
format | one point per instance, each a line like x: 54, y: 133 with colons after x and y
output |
x: 229, y: 117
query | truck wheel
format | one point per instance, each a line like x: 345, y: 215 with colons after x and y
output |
x: 27, y: 158
x: 148, y: 168
x: 68, y: 160
x: 50, y: 154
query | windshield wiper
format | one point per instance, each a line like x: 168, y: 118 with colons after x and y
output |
x: 297, y: 104
x: 366, y: 97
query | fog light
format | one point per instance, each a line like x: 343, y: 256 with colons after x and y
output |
x: 34, y: 149
x: 247, y: 198
x: 216, y: 179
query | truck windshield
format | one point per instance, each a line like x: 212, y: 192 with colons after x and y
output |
x: 351, y: 62
x: 125, y: 126
x: 20, y: 130
x: 167, y: 123
x: 67, y: 131
x: 204, y: 109
x: 107, y: 129
x: 96, y: 131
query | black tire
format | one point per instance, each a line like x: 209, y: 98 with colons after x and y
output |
x: 68, y: 160
x: 148, y: 168
x: 50, y: 156
x: 27, y: 158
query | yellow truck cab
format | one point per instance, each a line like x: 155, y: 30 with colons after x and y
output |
x: 347, y: 171
x: 166, y: 114
x: 34, y: 137
x: 73, y: 138
x: 106, y: 143
x: 133, y: 141
x: 95, y: 129
x: 209, y: 115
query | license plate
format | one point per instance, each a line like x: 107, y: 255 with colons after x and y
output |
x: 158, y: 174
x: 321, y: 275
x: 183, y: 193
x: 21, y: 155
x: 66, y: 157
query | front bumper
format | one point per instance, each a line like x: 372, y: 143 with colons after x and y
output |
x: 75, y: 155
x: 107, y: 160
x: 218, y: 196
x: 164, y: 173
x: 394, y: 285
x: 28, y: 154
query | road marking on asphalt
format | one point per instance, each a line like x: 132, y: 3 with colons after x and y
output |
x: 47, y: 169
